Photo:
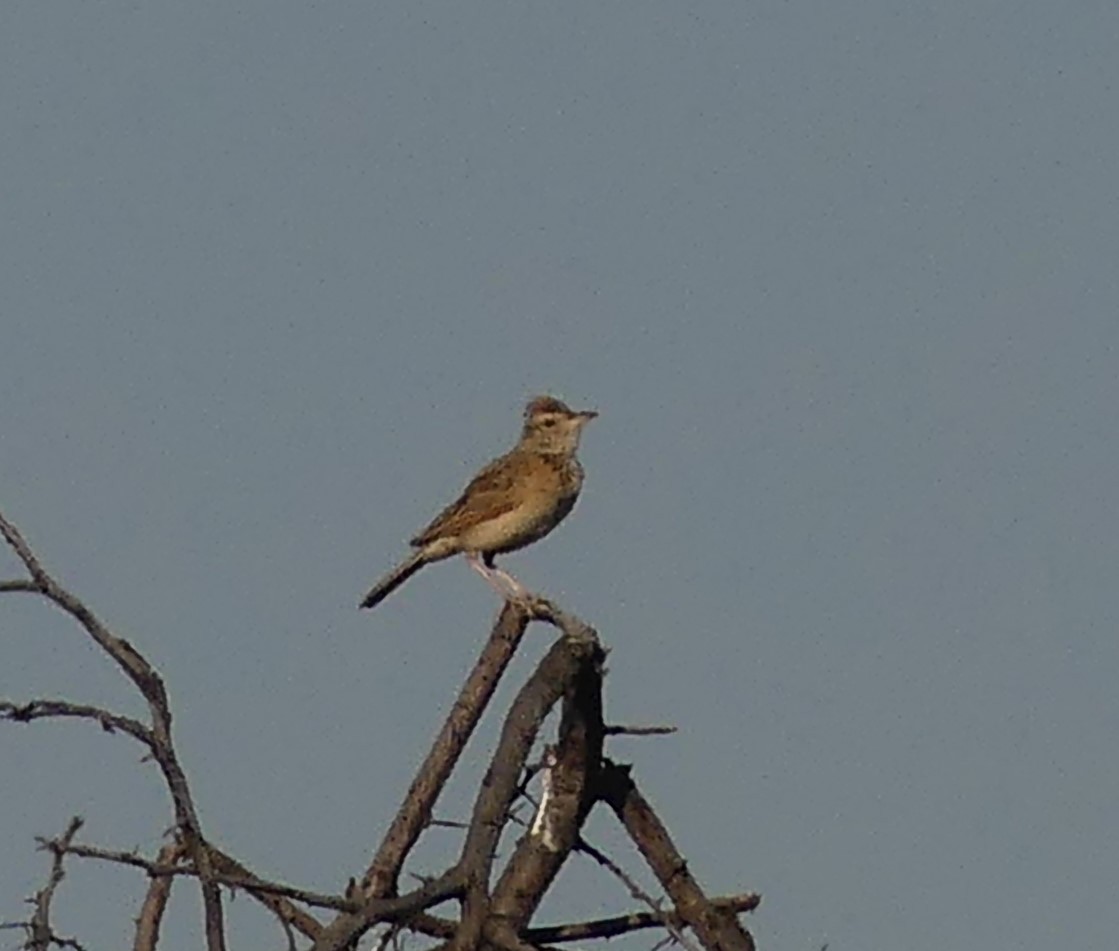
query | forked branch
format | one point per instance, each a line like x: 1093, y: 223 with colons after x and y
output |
x: 497, y: 903
x: 157, y: 734
x: 415, y: 812
x: 717, y: 928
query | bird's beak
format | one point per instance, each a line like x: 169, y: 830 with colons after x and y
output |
x: 587, y: 415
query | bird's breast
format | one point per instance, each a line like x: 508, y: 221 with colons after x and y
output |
x: 543, y: 500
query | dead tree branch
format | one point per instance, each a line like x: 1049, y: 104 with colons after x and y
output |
x: 350, y: 926
x: 277, y: 898
x: 555, y: 676
x: 716, y: 928
x: 42, y: 709
x: 635, y: 921
x: 599, y: 928
x: 574, y: 775
x: 637, y: 892
x: 145, y: 678
x: 40, y: 933
x: 570, y: 781
x: 640, y: 730
x: 150, y: 919
x: 415, y: 812
x: 233, y: 878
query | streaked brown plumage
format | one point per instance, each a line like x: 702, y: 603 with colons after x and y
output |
x: 515, y: 500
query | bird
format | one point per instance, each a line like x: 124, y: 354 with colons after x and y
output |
x: 514, y: 501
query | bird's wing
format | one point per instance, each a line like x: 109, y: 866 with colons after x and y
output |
x: 491, y: 493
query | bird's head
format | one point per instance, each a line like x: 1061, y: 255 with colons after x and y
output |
x: 552, y: 427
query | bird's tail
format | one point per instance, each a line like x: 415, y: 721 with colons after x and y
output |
x: 394, y: 579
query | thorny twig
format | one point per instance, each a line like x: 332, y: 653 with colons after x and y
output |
x: 145, y: 678
x: 248, y: 882
x: 496, y: 916
x: 636, y: 891
x: 40, y: 932
x: 639, y: 730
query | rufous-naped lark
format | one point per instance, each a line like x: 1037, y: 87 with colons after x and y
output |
x: 514, y: 501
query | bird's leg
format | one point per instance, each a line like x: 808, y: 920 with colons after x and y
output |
x: 505, y: 584
x: 518, y: 590
x: 475, y: 561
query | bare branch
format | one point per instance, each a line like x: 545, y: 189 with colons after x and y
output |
x: 574, y: 776
x: 40, y: 934
x: 269, y: 895
x: 41, y: 709
x: 716, y: 928
x: 347, y: 928
x: 637, y: 892
x: 150, y: 919
x: 432, y: 925
x: 23, y: 551
x: 388, y: 937
x: 245, y: 880
x: 499, y: 934
x: 150, y: 684
x: 28, y: 587
x: 639, y: 730
x: 634, y: 921
x: 447, y: 824
x: 415, y: 813
x: 569, y: 784
x: 554, y: 676
x: 289, y: 933
x: 571, y: 626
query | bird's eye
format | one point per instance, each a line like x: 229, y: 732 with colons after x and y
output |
x: 548, y: 421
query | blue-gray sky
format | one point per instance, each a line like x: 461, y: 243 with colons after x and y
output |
x: 275, y: 278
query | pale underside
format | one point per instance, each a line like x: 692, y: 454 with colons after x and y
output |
x: 512, y: 502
